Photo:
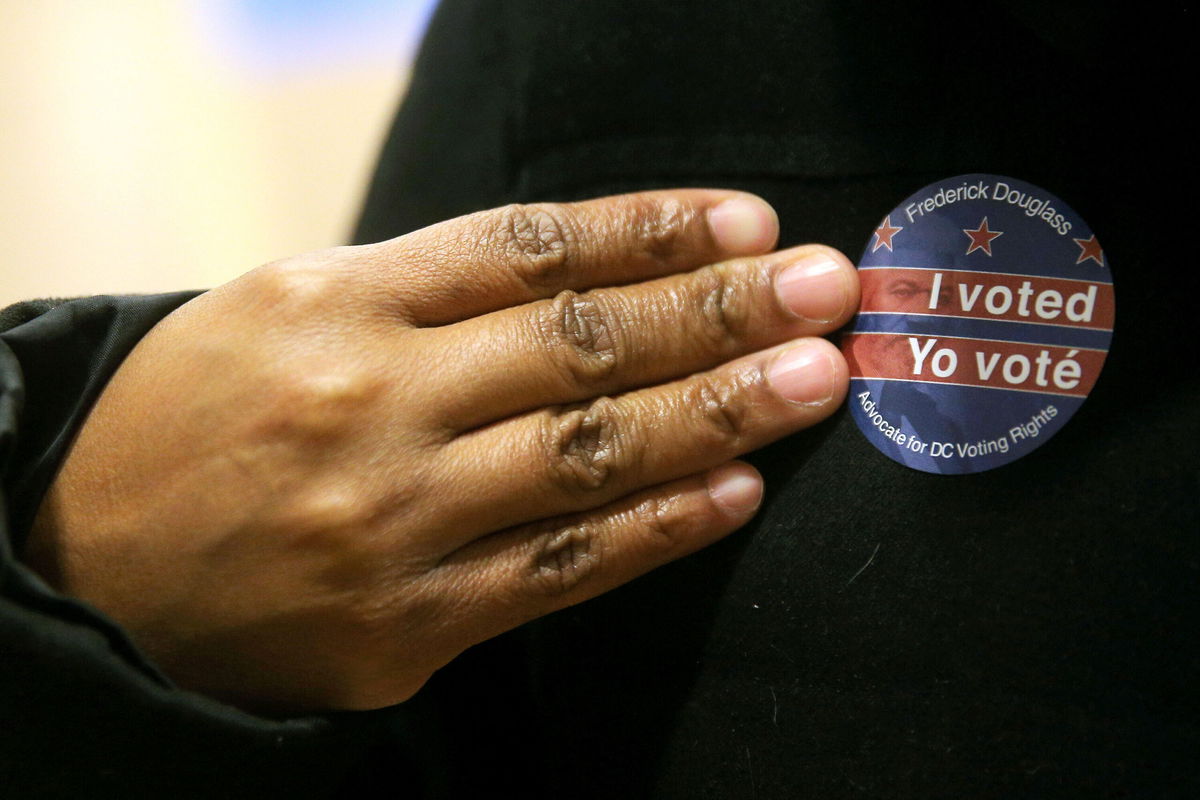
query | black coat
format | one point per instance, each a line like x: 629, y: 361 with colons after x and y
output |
x: 1023, y: 632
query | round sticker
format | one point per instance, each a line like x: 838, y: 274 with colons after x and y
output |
x: 987, y: 311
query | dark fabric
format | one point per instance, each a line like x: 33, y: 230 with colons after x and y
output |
x: 85, y: 714
x: 877, y: 631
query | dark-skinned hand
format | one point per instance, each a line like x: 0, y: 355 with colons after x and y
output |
x: 313, y: 486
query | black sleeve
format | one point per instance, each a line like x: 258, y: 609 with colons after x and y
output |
x: 84, y: 713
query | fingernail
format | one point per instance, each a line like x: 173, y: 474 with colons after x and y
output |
x: 744, y: 224
x: 737, y: 488
x: 803, y: 374
x: 813, y: 288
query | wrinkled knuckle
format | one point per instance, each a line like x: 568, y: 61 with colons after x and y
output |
x: 721, y: 411
x: 565, y: 558
x: 539, y: 241
x: 662, y: 227
x: 722, y: 309
x: 585, y: 447
x: 662, y: 530
x: 580, y: 328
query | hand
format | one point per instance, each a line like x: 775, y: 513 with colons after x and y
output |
x: 313, y: 486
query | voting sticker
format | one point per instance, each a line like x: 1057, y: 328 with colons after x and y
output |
x: 987, y: 312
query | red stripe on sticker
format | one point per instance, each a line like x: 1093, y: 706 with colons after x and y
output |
x: 1045, y: 369
x: 988, y: 295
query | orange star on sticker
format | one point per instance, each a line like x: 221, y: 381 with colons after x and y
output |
x: 1089, y: 248
x: 981, y: 237
x: 884, y: 234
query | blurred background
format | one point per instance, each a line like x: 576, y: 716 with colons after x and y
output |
x: 152, y: 145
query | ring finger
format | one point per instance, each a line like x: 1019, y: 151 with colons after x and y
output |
x: 570, y: 458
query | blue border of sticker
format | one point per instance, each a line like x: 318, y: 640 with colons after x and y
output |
x: 986, y: 316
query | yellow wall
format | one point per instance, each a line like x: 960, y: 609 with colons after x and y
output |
x: 135, y: 157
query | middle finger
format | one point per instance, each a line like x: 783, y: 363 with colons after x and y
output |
x: 577, y: 346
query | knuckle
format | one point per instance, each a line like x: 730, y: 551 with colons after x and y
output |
x: 539, y: 240
x: 661, y: 226
x: 322, y: 516
x: 307, y: 402
x: 301, y: 282
x: 334, y: 393
x: 579, y: 327
x: 565, y: 558
x: 723, y: 309
x: 721, y: 410
x: 340, y: 523
x: 585, y: 447
x: 662, y: 530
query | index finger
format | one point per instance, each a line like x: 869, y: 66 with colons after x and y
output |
x: 494, y: 259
